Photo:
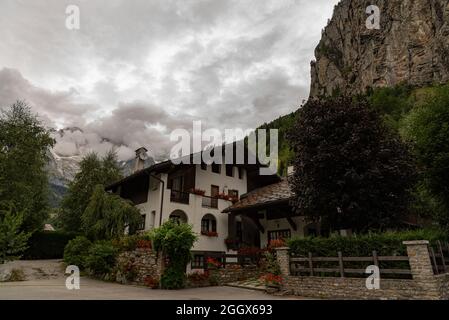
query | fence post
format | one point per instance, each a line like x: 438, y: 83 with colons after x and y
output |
x: 283, y: 259
x: 421, y: 268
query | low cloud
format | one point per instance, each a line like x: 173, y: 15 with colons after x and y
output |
x: 137, y: 70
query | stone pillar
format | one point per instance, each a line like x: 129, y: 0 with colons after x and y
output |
x: 283, y: 259
x: 421, y: 268
x: 419, y: 259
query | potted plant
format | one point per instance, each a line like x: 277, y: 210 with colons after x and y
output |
x: 213, y: 263
x: 223, y: 196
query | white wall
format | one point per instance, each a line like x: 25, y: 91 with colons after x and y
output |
x: 194, y: 210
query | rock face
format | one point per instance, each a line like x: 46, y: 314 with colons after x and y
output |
x: 411, y: 46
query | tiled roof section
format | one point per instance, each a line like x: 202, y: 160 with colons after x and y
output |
x: 272, y: 193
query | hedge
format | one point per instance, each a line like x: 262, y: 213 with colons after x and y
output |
x: 386, y: 244
x: 47, y: 245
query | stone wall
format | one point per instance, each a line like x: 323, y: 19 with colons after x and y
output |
x: 232, y: 274
x: 351, y: 288
x: 135, y: 266
x: 423, y: 285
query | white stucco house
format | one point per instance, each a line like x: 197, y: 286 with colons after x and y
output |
x: 196, y: 194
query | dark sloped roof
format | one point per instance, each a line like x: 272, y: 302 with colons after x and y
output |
x: 271, y: 194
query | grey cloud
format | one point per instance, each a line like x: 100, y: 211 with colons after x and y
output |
x: 137, y: 70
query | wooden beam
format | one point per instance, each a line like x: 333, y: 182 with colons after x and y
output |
x: 292, y: 223
x: 257, y: 223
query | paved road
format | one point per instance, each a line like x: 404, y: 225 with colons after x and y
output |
x: 54, y: 289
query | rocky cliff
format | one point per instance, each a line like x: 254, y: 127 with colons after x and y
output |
x: 411, y: 46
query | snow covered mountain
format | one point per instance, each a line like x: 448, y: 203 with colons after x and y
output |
x: 62, y: 169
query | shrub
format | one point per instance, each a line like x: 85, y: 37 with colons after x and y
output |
x: 48, y: 245
x: 175, y: 241
x: 386, y: 244
x: 151, y: 282
x: 132, y: 242
x: 101, y: 258
x: 271, y: 279
x: 272, y: 266
x: 76, y: 251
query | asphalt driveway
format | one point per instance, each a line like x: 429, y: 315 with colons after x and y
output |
x: 90, y: 289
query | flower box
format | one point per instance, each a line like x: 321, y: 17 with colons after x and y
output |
x: 198, y: 192
x: 209, y: 233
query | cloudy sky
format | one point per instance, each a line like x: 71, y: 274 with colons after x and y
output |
x: 138, y: 69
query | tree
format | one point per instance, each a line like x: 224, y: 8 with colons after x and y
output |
x: 24, y: 144
x: 13, y: 241
x: 93, y: 171
x: 350, y: 169
x: 427, y: 126
x: 108, y: 216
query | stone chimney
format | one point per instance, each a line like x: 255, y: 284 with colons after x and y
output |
x: 141, y: 156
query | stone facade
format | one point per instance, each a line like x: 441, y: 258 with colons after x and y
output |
x: 410, y: 47
x: 424, y: 284
x: 135, y: 266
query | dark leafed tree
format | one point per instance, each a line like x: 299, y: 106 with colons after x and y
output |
x: 93, y: 171
x: 350, y: 169
x: 24, y: 143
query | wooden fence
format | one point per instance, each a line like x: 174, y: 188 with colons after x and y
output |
x: 232, y: 259
x: 308, y: 265
x: 439, y: 256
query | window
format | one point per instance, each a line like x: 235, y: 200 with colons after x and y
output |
x: 214, y: 191
x: 216, y: 168
x: 198, y: 261
x: 229, y: 170
x: 279, y: 234
x: 203, y: 166
x: 178, y: 216
x: 208, y: 224
x: 142, y: 223
x: 240, y: 173
x: 177, y: 183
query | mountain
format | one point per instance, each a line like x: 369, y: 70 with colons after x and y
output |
x: 411, y: 47
x: 62, y: 169
x: 394, y: 66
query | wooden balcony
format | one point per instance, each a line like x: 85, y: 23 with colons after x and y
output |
x: 179, y: 197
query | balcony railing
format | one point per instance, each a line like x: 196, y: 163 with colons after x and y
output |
x: 209, y: 202
x: 179, y: 196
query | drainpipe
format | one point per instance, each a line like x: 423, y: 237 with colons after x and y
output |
x: 162, y: 196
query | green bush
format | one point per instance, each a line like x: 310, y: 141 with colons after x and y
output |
x: 386, y: 244
x: 101, y: 258
x: 76, y: 251
x: 175, y: 241
x: 48, y: 245
x: 130, y: 242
